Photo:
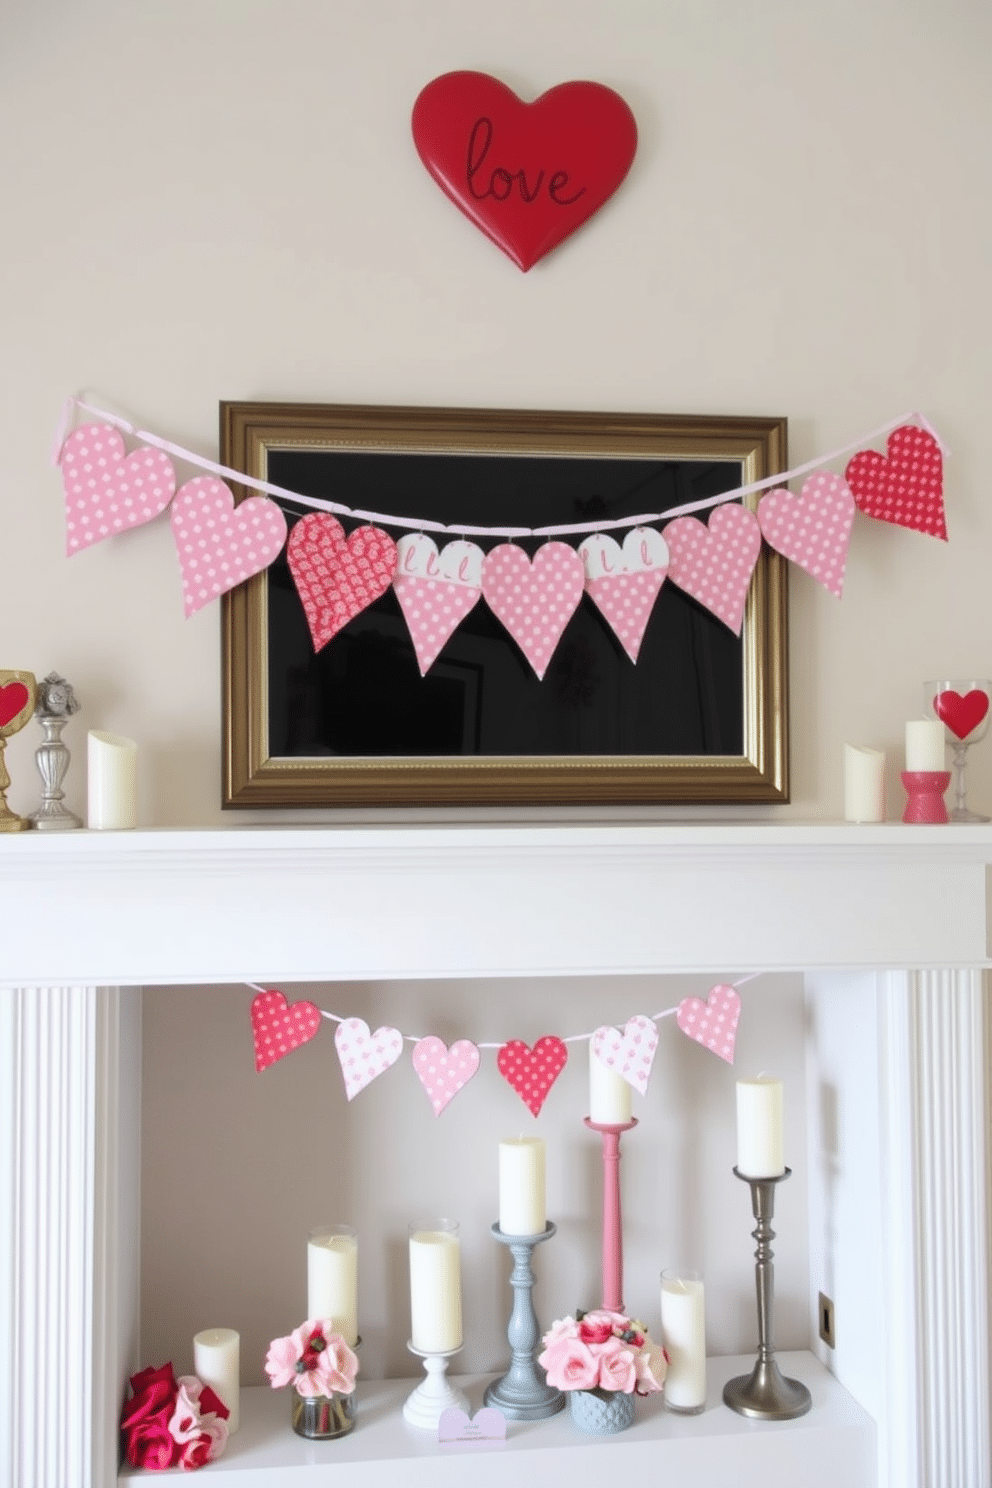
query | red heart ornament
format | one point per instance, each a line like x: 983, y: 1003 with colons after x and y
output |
x: 279, y: 1028
x: 13, y: 698
x: 960, y: 714
x: 336, y: 578
x: 527, y: 174
x: 906, y: 487
x: 532, y: 1072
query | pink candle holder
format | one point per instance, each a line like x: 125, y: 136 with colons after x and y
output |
x: 925, y: 795
x: 612, y: 1228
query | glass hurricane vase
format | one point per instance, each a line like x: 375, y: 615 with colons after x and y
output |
x: 962, y: 705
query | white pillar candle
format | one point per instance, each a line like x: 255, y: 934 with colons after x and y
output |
x: 759, y: 1127
x: 864, y: 784
x: 435, y: 1287
x: 217, y: 1363
x: 521, y: 1186
x: 609, y: 1094
x: 332, y: 1278
x: 925, y: 745
x: 112, y: 781
x: 683, y: 1333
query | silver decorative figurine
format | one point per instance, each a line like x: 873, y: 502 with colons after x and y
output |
x: 55, y: 705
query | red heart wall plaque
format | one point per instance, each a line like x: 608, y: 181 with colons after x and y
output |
x: 527, y: 174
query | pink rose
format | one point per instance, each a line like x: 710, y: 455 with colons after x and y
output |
x: 601, y: 1315
x: 185, y: 1421
x: 566, y: 1327
x: 196, y: 1452
x: 280, y: 1362
x: 569, y: 1365
x: 617, y: 1370
x: 338, y: 1366
x: 652, y: 1366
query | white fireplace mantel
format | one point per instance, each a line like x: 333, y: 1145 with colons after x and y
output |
x: 84, y: 915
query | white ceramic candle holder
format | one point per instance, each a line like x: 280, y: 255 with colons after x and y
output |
x: 436, y: 1394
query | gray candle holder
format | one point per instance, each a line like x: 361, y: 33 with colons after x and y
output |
x: 55, y: 706
x: 523, y: 1394
x: 765, y: 1393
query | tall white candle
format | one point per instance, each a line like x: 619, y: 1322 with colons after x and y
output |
x: 759, y: 1127
x: 864, y: 784
x: 609, y: 1094
x: 683, y: 1333
x: 925, y: 745
x: 435, y: 1287
x: 112, y: 781
x: 332, y: 1278
x: 521, y: 1186
x: 217, y: 1362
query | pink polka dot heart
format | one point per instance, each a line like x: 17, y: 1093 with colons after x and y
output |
x: 907, y: 487
x: 629, y: 1053
x: 364, y: 1055
x: 534, y: 600
x: 220, y: 545
x: 435, y: 591
x: 712, y: 1023
x: 443, y: 1071
x: 279, y: 1027
x: 714, y: 564
x: 532, y: 1072
x: 624, y: 582
x: 106, y: 491
x: 812, y: 529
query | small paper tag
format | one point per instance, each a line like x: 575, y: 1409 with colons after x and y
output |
x: 485, y: 1429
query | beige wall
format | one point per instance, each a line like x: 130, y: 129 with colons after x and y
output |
x: 221, y: 200
x: 214, y: 199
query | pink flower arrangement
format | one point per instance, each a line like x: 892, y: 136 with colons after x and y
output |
x: 602, y: 1350
x: 171, y: 1422
x: 313, y: 1359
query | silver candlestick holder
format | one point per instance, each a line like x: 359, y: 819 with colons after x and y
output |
x: 435, y: 1394
x: 765, y: 1393
x: 55, y: 706
x: 523, y: 1394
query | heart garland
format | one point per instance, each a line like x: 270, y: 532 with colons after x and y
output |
x: 532, y: 1072
x: 714, y: 564
x: 337, y: 577
x: 364, y: 1055
x: 959, y: 714
x: 220, y: 545
x: 624, y: 583
x: 526, y: 174
x: 630, y: 1052
x: 107, y: 491
x: 812, y: 529
x: 906, y: 486
x: 712, y: 1023
x: 443, y: 1071
x: 278, y: 1027
x: 435, y: 591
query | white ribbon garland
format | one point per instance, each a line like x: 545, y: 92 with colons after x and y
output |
x: 416, y: 524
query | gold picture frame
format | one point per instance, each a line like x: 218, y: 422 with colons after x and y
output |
x: 262, y: 439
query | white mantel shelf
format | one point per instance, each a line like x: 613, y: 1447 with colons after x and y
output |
x: 125, y: 908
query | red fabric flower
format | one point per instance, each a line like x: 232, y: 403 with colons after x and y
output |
x: 153, y: 1390
x: 151, y: 1444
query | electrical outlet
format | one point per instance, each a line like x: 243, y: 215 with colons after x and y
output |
x: 827, y: 1321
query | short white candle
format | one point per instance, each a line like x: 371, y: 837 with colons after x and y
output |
x: 521, y: 1186
x: 609, y: 1094
x: 217, y: 1363
x: 683, y: 1333
x: 435, y: 1287
x: 332, y: 1278
x: 759, y: 1127
x: 925, y: 745
x: 112, y: 782
x: 864, y: 784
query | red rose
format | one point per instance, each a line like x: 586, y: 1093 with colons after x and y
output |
x: 196, y: 1453
x: 209, y: 1401
x: 150, y: 1443
x: 154, y: 1389
x: 595, y: 1332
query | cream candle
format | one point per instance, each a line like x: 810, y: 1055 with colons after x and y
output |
x: 683, y: 1333
x: 112, y: 782
x: 217, y: 1362
x: 759, y: 1127
x: 332, y: 1278
x: 435, y: 1287
x: 521, y: 1186
x: 609, y: 1095
x: 925, y: 745
x: 864, y: 784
